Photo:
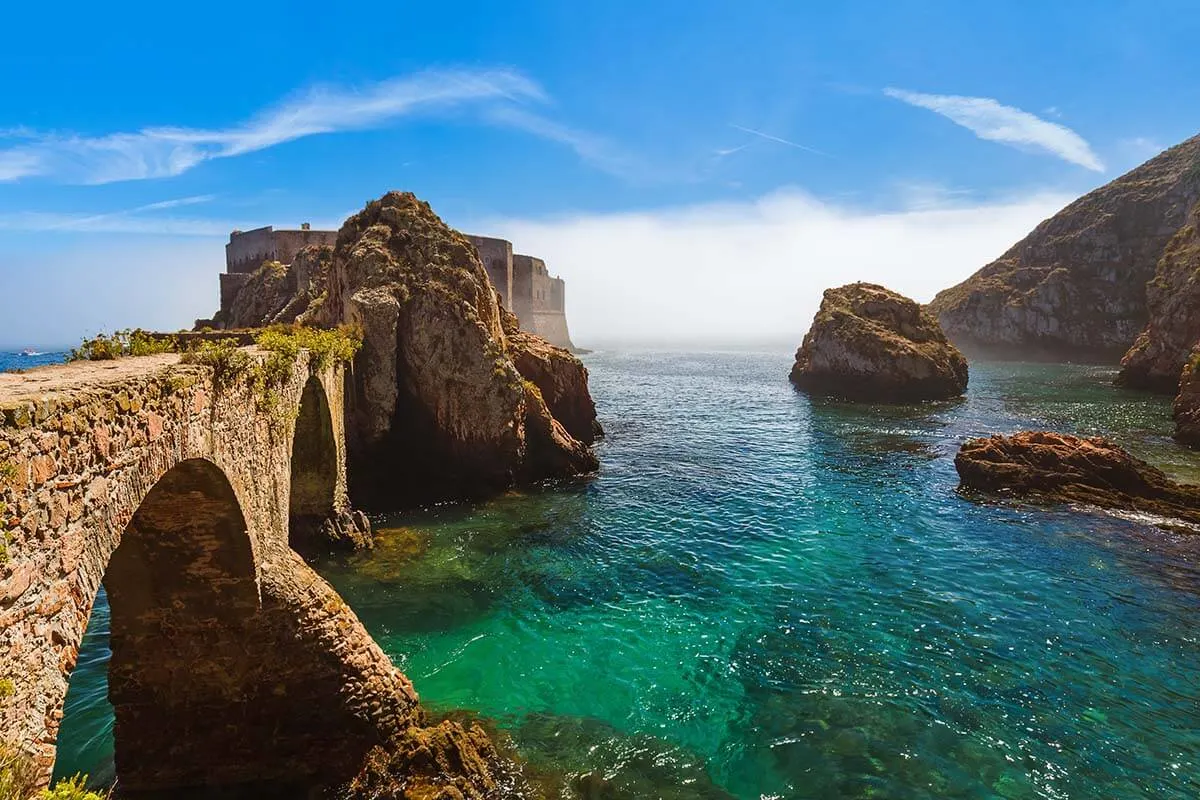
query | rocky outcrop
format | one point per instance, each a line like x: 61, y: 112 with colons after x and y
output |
x: 281, y: 293
x: 1173, y: 298
x: 446, y: 761
x: 440, y: 409
x: 1060, y: 468
x: 561, y: 378
x: 869, y: 343
x: 1075, y: 288
x: 1187, y: 403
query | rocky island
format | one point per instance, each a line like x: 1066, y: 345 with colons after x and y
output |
x: 1060, y: 468
x: 869, y: 343
x: 451, y: 398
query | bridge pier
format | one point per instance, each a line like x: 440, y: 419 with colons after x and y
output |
x: 233, y: 662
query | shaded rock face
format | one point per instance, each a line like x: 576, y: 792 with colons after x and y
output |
x: 276, y: 293
x: 1187, y: 403
x: 440, y: 410
x: 868, y: 343
x: 1074, y: 288
x: 1157, y: 357
x: 1060, y: 468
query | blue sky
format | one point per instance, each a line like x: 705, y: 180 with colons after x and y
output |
x: 664, y: 156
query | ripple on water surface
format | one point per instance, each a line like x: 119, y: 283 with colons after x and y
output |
x: 763, y: 596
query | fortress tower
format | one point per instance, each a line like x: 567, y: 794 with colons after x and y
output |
x: 526, y: 287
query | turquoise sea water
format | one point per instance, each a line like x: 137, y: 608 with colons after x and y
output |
x: 762, y: 596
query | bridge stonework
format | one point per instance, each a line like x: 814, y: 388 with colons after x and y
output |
x: 232, y: 661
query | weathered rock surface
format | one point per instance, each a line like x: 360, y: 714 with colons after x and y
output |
x: 446, y: 761
x: 440, y: 408
x: 1173, y: 298
x: 278, y: 293
x: 870, y: 343
x: 1187, y: 403
x: 1060, y: 468
x: 561, y: 378
x: 1074, y: 288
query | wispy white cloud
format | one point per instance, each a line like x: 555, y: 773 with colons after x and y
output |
x: 989, y: 119
x: 780, y: 140
x: 755, y: 270
x: 595, y: 150
x: 159, y: 152
x: 138, y: 220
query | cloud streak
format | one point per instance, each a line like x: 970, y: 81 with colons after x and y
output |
x: 753, y: 271
x: 779, y: 140
x: 161, y: 152
x: 989, y: 119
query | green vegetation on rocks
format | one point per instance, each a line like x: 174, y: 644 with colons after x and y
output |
x: 129, y: 342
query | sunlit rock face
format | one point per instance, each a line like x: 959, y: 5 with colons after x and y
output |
x: 1173, y: 297
x: 440, y: 409
x: 1075, y: 288
x: 869, y: 343
x: 1060, y: 468
x: 1187, y: 403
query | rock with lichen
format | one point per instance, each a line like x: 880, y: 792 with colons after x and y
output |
x: 1075, y: 287
x: 439, y: 408
x: 1158, y: 355
x: 280, y: 293
x: 1060, y: 468
x: 869, y: 343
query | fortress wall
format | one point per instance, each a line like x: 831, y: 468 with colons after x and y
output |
x: 288, y: 243
x: 524, y: 269
x: 247, y: 250
x: 551, y: 326
x: 497, y: 258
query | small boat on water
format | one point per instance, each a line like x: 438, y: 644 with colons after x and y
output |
x: 29, y: 352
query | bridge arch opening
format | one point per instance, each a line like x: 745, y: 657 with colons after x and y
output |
x: 313, y: 499
x: 180, y: 598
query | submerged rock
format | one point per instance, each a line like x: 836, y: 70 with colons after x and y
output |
x: 870, y: 343
x: 1060, y: 468
x: 439, y: 410
x: 1075, y: 288
x: 1157, y: 357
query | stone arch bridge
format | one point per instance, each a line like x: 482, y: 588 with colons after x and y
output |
x: 232, y: 661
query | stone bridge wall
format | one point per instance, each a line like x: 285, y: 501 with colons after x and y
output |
x: 233, y: 660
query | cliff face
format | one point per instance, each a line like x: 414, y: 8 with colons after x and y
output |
x: 1187, y: 403
x: 440, y: 408
x: 870, y: 343
x: 1075, y: 288
x: 1158, y: 355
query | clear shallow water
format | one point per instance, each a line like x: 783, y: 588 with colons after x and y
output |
x: 763, y: 596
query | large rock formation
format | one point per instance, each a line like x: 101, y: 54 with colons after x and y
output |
x: 1158, y: 355
x: 869, y: 343
x: 440, y: 408
x: 1059, y: 468
x: 1074, y: 288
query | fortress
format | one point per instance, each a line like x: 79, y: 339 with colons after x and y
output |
x: 526, y: 287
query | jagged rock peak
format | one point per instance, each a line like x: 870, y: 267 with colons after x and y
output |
x: 870, y: 343
x: 1075, y: 287
x: 440, y: 409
